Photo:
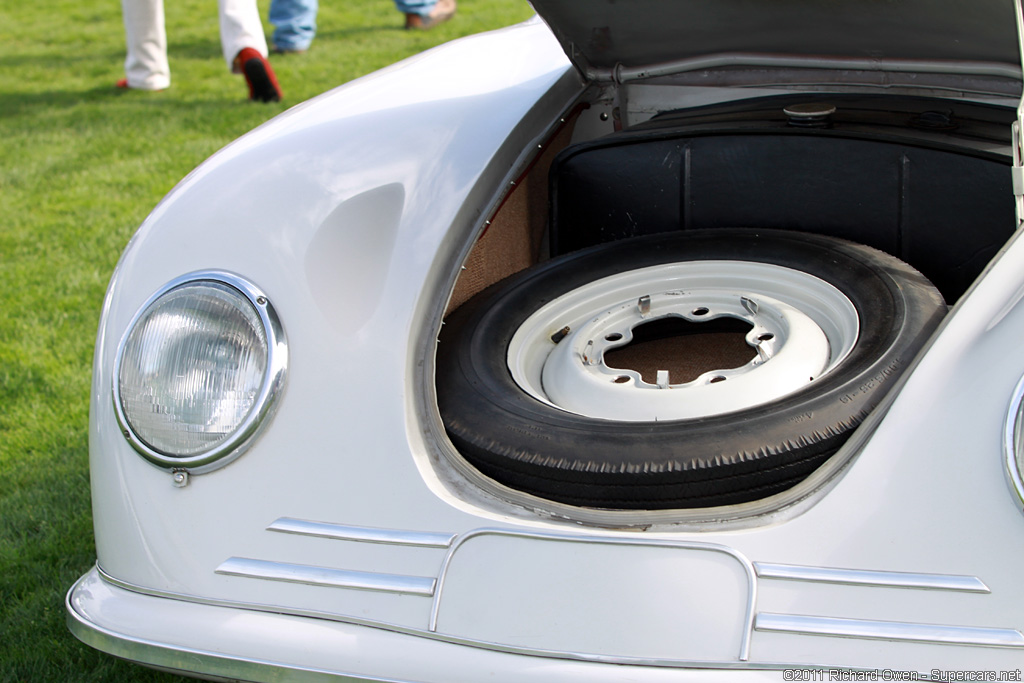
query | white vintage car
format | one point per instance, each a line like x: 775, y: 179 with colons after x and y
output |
x: 646, y: 340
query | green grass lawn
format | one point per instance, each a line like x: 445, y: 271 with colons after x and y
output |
x: 81, y: 164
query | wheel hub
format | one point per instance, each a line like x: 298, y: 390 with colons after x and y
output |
x: 801, y: 328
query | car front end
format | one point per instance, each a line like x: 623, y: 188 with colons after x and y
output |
x: 281, y: 490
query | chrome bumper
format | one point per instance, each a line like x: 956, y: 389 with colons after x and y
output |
x: 227, y: 643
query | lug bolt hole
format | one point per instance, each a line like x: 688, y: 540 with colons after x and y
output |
x: 766, y: 336
x: 621, y: 379
x: 613, y: 337
x: 701, y: 311
x: 716, y: 379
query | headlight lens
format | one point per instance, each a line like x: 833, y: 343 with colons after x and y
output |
x: 198, y: 370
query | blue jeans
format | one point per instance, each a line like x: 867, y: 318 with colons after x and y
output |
x: 294, y: 23
x: 421, y: 7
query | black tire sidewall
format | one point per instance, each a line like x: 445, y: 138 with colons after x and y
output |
x: 527, y: 443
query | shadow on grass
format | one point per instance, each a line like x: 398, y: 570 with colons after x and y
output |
x: 91, y: 65
x: 22, y: 104
x: 357, y: 31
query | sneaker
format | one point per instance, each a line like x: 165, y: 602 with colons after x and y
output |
x: 122, y: 84
x: 259, y: 76
x: 442, y: 12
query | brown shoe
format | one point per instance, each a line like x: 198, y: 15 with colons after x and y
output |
x: 442, y: 12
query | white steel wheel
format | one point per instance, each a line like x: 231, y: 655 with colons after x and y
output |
x: 533, y: 394
x: 800, y: 328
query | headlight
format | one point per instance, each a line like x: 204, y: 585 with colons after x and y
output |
x: 198, y: 371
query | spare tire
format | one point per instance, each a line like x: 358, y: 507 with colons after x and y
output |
x: 528, y: 395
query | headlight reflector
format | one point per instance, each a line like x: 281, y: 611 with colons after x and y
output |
x: 198, y: 370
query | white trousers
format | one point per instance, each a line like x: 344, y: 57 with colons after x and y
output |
x: 146, y: 64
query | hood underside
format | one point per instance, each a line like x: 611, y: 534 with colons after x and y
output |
x: 637, y: 39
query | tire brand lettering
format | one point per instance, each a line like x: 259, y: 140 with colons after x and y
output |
x: 873, y: 381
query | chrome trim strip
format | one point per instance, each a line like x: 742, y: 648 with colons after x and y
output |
x: 1011, y: 437
x: 864, y: 577
x: 889, y: 630
x: 748, y: 567
x: 423, y: 539
x: 324, y: 576
x: 624, y: 74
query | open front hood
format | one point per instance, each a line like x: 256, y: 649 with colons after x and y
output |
x: 642, y: 39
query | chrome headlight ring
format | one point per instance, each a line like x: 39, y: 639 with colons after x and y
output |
x: 1013, y: 442
x: 199, y: 371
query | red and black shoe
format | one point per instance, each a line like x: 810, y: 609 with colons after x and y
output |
x: 259, y: 76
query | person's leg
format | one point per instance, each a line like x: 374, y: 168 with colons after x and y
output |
x: 240, y: 27
x: 294, y: 24
x: 145, y: 65
x: 245, y: 48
